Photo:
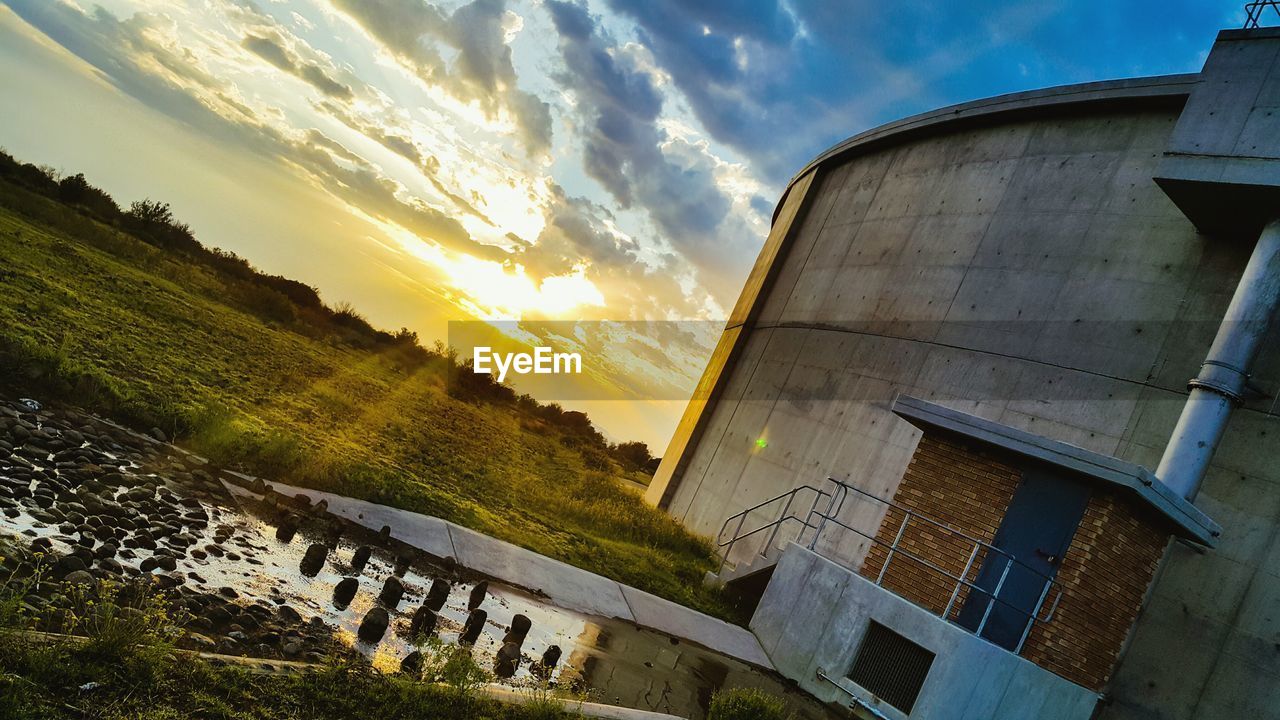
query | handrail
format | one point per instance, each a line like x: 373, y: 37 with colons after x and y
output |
x: 742, y: 515
x: 830, y: 514
x: 944, y: 526
x: 993, y: 594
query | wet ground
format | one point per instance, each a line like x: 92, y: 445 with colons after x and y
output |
x: 111, y: 503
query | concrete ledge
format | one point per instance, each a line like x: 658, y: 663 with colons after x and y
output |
x: 1162, y: 88
x: 1187, y: 520
x: 813, y: 617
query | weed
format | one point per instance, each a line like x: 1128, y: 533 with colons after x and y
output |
x: 747, y: 704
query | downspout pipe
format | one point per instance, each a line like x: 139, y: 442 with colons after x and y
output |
x: 1220, y: 386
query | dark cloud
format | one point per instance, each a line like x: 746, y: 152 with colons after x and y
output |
x: 624, y: 147
x: 780, y: 81
x: 482, y: 70
x: 273, y: 50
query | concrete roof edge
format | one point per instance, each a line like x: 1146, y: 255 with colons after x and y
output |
x: 1192, y: 524
x: 1158, y: 86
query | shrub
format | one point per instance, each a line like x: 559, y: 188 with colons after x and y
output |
x: 747, y: 704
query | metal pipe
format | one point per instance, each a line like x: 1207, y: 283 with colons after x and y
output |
x: 995, y: 595
x: 786, y: 510
x: 888, y: 558
x: 1031, y: 619
x: 964, y: 576
x: 1221, y: 382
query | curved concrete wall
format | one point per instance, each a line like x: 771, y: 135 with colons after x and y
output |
x: 1019, y: 264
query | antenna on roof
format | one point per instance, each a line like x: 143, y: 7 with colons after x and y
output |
x: 1254, y: 11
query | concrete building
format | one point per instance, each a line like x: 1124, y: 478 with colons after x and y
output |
x: 993, y: 429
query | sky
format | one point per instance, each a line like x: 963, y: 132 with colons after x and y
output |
x: 521, y: 161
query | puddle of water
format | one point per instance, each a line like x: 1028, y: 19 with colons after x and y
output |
x: 612, y: 661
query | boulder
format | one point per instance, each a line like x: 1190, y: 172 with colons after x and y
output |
x: 361, y: 558
x: 392, y: 591
x: 423, y: 622
x: 473, y: 627
x: 374, y: 625
x: 478, y: 594
x: 345, y: 591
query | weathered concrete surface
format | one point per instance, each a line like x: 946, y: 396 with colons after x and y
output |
x: 1222, y: 166
x: 421, y: 531
x: 650, y: 610
x: 1027, y: 270
x: 813, y: 617
x: 565, y: 585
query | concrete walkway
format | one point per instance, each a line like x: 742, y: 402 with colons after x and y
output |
x: 566, y: 586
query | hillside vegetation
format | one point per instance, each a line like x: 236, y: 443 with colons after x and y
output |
x: 124, y: 313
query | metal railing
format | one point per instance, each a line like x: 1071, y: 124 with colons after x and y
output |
x: 1254, y: 12
x: 824, y: 513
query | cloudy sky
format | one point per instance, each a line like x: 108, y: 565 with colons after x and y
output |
x: 435, y: 160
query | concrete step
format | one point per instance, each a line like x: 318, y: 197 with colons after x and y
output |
x: 741, y: 571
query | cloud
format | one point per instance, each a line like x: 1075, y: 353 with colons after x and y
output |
x: 482, y: 70
x: 618, y: 109
x: 165, y: 79
x: 272, y: 50
x: 780, y: 81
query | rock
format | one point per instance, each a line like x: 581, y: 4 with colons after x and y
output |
x: 473, y: 627
x: 288, y: 614
x: 292, y: 649
x: 79, y: 577
x: 519, y: 629
x: 287, y: 529
x: 361, y: 558
x: 544, y: 667
x: 402, y: 564
x: 374, y: 625
x: 314, y: 559
x: 412, y: 663
x: 345, y: 591
x: 478, y: 594
x: 158, y: 434
x: 438, y: 594
x: 392, y: 591
x: 423, y: 622
x: 70, y: 563
x: 384, y: 535
x: 507, y: 660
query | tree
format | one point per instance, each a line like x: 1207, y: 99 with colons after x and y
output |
x: 632, y: 455
x: 152, y: 213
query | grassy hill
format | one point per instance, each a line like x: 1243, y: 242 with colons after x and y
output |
x: 93, y: 315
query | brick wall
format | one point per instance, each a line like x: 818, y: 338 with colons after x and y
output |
x: 955, y: 484
x: 1104, y: 578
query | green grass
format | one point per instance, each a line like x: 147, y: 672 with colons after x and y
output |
x: 43, y: 682
x: 747, y: 704
x: 121, y: 665
x: 94, y: 317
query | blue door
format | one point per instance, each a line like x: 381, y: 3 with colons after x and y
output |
x: 1037, y: 529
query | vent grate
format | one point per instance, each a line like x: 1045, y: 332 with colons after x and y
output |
x: 891, y: 667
